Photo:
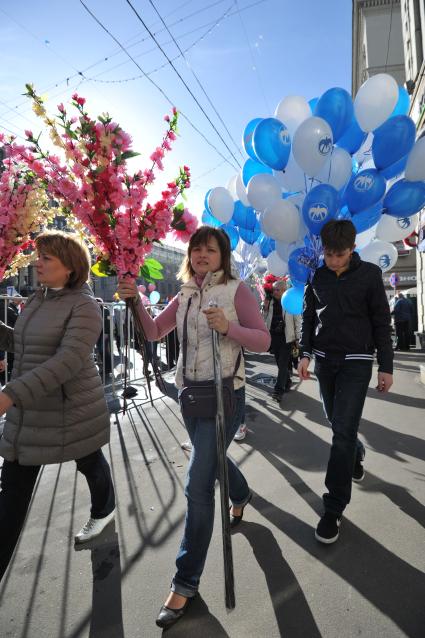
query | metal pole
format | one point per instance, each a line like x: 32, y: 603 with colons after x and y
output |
x: 223, y: 479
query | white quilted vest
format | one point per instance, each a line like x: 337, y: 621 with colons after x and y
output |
x: 199, y: 361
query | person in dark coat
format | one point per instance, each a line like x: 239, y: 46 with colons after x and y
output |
x: 403, y: 315
x: 346, y: 318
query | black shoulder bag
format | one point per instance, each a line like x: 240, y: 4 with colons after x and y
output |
x: 199, y: 398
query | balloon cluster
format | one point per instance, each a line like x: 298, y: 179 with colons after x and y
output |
x: 330, y: 158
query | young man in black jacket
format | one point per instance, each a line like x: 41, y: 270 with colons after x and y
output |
x: 346, y: 318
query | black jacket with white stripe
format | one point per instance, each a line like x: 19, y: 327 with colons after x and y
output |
x: 347, y: 317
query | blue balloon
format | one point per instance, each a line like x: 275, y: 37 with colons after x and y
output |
x: 320, y: 206
x: 298, y: 265
x: 232, y: 234
x: 367, y: 218
x: 404, y: 198
x: 353, y: 137
x: 250, y: 236
x: 247, y: 138
x: 344, y: 213
x: 272, y: 143
x: 393, y: 140
x: 266, y: 245
x: 207, y: 208
x: 251, y: 168
x: 336, y: 107
x: 365, y: 190
x: 403, y: 103
x: 395, y: 169
x: 210, y: 220
x: 312, y: 104
x: 154, y: 297
x: 292, y: 300
x: 244, y: 216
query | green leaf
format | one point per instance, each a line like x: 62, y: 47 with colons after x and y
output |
x: 127, y: 154
x: 102, y: 269
x: 150, y: 262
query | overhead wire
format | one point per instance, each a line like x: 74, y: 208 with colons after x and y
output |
x: 96, y: 19
x: 183, y: 81
x: 198, y: 81
x: 389, y: 34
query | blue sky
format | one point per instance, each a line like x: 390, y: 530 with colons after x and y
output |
x: 249, y: 58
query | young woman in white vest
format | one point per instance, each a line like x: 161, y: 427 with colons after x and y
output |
x: 207, y: 277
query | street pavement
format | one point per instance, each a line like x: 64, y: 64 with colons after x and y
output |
x: 371, y: 583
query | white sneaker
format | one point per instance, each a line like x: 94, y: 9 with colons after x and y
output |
x: 241, y: 433
x: 93, y: 528
x: 187, y: 445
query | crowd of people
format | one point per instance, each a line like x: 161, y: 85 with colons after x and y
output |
x: 55, y: 405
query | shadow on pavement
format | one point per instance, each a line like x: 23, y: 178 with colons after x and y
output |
x: 293, y: 614
x: 388, y: 582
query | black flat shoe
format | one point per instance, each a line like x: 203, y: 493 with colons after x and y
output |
x: 168, y: 616
x: 235, y: 520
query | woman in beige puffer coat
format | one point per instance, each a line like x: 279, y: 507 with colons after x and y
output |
x: 56, y: 408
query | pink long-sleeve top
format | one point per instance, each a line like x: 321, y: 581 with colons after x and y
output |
x: 251, y: 332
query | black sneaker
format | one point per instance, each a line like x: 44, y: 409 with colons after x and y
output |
x: 277, y: 396
x: 358, y: 471
x: 327, y: 530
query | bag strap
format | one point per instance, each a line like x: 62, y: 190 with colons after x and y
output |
x: 185, y: 339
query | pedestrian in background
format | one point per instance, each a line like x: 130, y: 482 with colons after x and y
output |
x: 56, y: 408
x: 207, y: 277
x: 9, y: 313
x: 285, y: 333
x: 346, y: 318
x: 403, y: 318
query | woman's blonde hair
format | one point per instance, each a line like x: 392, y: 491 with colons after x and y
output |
x: 70, y: 250
x: 200, y: 238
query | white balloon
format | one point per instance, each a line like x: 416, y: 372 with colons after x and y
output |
x: 415, y: 168
x: 395, y: 228
x: 381, y: 253
x: 221, y: 204
x: 364, y: 238
x: 276, y: 265
x: 281, y: 221
x: 292, y: 178
x: 292, y: 110
x: 375, y: 101
x: 240, y: 190
x: 337, y: 169
x: 231, y: 186
x: 364, y: 154
x: 263, y: 190
x: 312, y: 144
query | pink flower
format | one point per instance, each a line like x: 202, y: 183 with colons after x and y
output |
x: 61, y: 108
x: 28, y: 134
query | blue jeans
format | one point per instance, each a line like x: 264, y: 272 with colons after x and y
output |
x: 343, y: 388
x: 199, y: 491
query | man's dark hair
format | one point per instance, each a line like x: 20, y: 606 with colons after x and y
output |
x: 338, y: 235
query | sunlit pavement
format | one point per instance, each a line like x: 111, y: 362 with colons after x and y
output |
x: 371, y: 583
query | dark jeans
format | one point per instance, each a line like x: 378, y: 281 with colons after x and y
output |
x: 343, y: 388
x: 282, y: 353
x: 402, y: 330
x: 17, y: 485
x: 199, y: 490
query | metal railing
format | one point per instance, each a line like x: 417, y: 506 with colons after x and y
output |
x: 109, y: 351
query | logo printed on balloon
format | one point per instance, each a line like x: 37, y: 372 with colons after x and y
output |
x: 384, y: 261
x: 363, y: 183
x: 403, y: 222
x: 325, y: 145
x: 285, y: 138
x: 318, y: 212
